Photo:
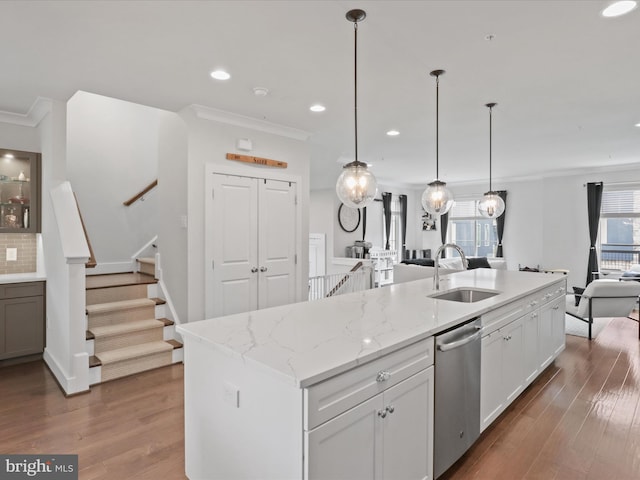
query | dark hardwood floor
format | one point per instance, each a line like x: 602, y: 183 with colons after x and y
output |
x: 579, y: 420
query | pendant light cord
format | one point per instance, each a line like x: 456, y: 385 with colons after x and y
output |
x: 437, y: 123
x: 355, y: 85
x: 490, y: 145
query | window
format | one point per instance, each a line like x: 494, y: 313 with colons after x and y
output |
x: 619, y: 236
x: 476, y: 235
x: 395, y: 235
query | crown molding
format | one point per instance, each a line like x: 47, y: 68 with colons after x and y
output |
x: 32, y: 118
x: 208, y: 113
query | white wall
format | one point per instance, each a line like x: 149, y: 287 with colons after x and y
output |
x: 18, y: 137
x: 209, y: 141
x: 112, y: 154
x: 172, y: 203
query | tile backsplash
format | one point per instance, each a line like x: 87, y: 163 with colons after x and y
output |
x: 25, y: 243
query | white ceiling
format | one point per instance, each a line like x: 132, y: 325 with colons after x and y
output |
x: 566, y: 80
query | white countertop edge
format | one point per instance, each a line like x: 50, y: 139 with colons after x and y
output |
x: 22, y: 277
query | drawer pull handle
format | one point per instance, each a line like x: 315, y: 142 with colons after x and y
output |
x: 556, y: 307
x: 383, y: 376
x: 390, y: 409
x: 382, y: 413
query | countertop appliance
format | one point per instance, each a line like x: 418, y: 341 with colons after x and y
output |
x: 457, y: 399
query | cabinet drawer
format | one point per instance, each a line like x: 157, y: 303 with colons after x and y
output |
x: 18, y: 290
x: 327, y: 399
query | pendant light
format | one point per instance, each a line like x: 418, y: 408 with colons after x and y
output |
x: 491, y: 205
x: 356, y: 186
x: 437, y: 198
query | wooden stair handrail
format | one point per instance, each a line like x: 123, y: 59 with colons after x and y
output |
x: 91, y: 263
x: 141, y: 194
x: 344, y: 279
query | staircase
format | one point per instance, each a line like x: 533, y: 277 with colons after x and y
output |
x: 127, y: 331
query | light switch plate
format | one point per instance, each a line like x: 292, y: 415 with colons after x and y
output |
x: 12, y: 254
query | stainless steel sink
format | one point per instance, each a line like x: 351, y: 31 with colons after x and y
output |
x: 465, y: 295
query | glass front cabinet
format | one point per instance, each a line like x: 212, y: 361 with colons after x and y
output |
x: 19, y: 191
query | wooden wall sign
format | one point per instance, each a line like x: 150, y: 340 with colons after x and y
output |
x: 260, y: 161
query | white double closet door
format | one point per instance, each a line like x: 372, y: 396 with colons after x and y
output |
x: 250, y: 244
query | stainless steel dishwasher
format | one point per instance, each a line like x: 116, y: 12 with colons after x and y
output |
x: 457, y: 396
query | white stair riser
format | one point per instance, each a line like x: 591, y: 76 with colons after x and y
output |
x: 168, y: 333
x: 160, y: 311
x: 95, y: 375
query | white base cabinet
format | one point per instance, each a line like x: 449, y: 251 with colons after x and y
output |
x: 387, y: 436
x: 519, y: 341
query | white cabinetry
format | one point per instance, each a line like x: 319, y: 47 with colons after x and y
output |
x: 388, y: 435
x: 502, y: 378
x: 250, y: 248
x: 519, y: 341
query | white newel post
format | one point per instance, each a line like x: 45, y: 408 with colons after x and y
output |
x: 79, y: 381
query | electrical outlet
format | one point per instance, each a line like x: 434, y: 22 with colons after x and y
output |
x: 12, y: 254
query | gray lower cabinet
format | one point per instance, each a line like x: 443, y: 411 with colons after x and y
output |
x: 21, y: 319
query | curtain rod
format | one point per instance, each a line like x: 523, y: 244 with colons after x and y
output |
x: 615, y: 184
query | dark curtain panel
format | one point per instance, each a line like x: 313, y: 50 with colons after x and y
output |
x: 500, y: 222
x: 364, y: 222
x: 403, y: 223
x: 594, y: 201
x: 386, y: 210
x: 444, y: 224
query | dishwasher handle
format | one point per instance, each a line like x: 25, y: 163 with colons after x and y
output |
x: 444, y: 347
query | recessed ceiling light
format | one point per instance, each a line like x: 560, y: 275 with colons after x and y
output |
x: 260, y: 91
x: 393, y: 133
x: 220, y: 75
x: 317, y: 108
x: 619, y: 8
x: 9, y: 155
x: 637, y: 124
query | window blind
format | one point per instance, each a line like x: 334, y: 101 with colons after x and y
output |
x: 620, y: 203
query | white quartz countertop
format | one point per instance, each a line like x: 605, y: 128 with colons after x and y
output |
x: 307, y: 342
x: 22, y: 277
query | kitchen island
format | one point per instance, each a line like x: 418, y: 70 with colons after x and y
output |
x: 304, y: 390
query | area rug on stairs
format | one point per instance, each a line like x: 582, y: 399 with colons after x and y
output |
x: 578, y: 328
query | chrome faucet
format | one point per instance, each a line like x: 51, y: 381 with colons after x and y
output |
x: 436, y: 276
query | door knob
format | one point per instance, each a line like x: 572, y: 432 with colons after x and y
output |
x: 263, y: 269
x: 382, y: 413
x: 254, y: 270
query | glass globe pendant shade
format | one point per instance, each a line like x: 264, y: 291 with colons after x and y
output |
x: 491, y: 205
x: 437, y: 199
x: 356, y: 186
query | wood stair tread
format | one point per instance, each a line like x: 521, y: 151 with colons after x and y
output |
x: 147, y: 260
x: 128, y: 327
x: 120, y: 305
x: 118, y: 280
x: 174, y: 343
x: 134, y: 351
